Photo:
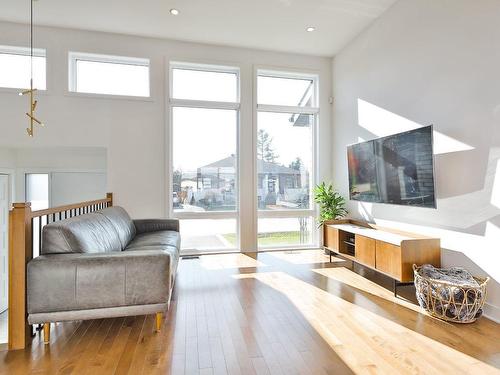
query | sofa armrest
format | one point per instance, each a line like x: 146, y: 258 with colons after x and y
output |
x: 64, y: 282
x: 154, y: 225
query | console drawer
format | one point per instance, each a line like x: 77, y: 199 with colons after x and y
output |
x: 388, y: 259
x: 331, y: 238
x: 365, y: 250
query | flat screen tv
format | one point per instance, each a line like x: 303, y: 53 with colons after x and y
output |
x: 397, y: 169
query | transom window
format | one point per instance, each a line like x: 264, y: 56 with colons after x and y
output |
x: 110, y: 75
x: 15, y: 68
x: 218, y: 85
x: 286, y: 89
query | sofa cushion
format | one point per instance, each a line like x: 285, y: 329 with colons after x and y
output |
x: 165, y: 241
x: 122, y: 222
x: 89, y: 233
x: 159, y: 239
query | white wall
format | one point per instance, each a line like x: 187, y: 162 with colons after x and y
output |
x: 89, y: 163
x: 134, y: 131
x: 71, y: 187
x: 432, y: 62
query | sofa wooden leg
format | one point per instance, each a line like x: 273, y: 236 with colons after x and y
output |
x: 159, y: 317
x: 46, y: 333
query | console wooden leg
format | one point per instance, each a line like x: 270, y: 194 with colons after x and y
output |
x: 46, y: 333
x: 159, y: 317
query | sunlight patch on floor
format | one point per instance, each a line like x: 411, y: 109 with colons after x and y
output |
x: 229, y: 261
x: 303, y: 256
x: 357, y: 281
x: 365, y: 341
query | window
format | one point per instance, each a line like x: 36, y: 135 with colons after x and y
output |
x: 37, y: 190
x: 15, y: 68
x: 286, y: 128
x: 208, y: 234
x: 205, y: 115
x: 215, y: 86
x: 285, y: 231
x: 284, y: 160
x: 110, y: 75
x: 204, y: 175
x: 288, y: 91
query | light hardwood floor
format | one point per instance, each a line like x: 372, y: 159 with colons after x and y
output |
x: 271, y: 313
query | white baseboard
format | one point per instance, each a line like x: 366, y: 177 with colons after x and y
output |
x: 492, y: 312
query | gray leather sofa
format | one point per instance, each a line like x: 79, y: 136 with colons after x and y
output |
x: 101, y: 265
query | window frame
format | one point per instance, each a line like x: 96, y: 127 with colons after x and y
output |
x: 74, y: 56
x: 204, y: 104
x: 313, y: 110
x: 25, y: 51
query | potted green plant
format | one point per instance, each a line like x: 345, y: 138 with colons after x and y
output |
x: 331, y: 203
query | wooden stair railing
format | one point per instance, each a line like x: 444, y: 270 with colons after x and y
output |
x: 25, y: 240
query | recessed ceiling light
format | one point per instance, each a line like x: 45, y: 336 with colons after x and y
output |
x: 310, y: 29
x: 174, y: 12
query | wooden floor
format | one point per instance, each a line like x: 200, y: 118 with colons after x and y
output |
x: 275, y: 313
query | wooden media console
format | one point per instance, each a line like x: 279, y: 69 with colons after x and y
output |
x: 385, y: 250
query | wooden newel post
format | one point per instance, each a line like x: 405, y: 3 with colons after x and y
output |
x: 20, y: 253
x: 110, y: 197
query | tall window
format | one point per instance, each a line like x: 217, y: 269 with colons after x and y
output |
x: 111, y: 75
x: 204, y: 104
x: 15, y: 68
x: 286, y: 121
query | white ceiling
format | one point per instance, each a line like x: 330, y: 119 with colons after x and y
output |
x: 277, y: 25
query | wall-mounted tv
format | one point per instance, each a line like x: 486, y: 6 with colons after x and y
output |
x: 397, y: 169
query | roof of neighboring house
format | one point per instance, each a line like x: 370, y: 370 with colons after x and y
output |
x: 262, y: 166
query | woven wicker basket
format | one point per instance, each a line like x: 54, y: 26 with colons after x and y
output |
x: 450, y: 302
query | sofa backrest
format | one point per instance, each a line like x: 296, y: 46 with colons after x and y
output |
x: 122, y: 223
x: 107, y: 230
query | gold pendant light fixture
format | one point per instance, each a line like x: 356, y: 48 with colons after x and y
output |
x: 31, y: 91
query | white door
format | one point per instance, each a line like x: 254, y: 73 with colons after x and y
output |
x: 4, y: 219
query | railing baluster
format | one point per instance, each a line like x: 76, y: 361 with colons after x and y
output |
x: 39, y: 234
x: 32, y: 237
